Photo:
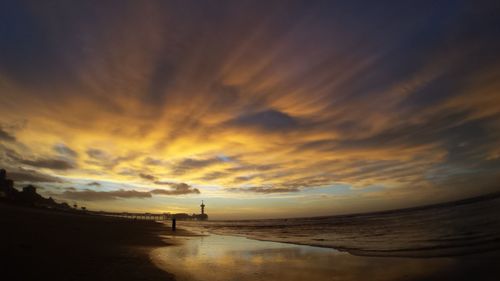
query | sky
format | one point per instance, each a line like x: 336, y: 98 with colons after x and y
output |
x: 262, y: 109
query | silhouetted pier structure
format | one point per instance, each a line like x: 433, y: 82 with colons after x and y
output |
x: 155, y: 217
x: 137, y: 216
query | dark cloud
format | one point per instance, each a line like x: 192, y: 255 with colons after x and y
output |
x: 214, y: 176
x: 153, y: 161
x: 104, y: 159
x: 4, y: 136
x: 189, y: 164
x: 49, y: 163
x: 94, y: 183
x: 264, y: 189
x: 164, y: 182
x: 97, y: 154
x: 176, y: 189
x: 162, y: 77
x: 91, y: 195
x: 147, y: 177
x: 54, y: 164
x: 269, y: 120
x: 65, y: 150
x: 31, y: 176
x: 445, y: 129
x: 224, y: 96
x: 28, y: 53
x: 243, y: 178
x: 252, y: 168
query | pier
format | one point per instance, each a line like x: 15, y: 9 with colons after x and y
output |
x: 137, y: 216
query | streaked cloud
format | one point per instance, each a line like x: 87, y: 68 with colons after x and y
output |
x: 55, y: 164
x: 269, y: 120
x: 263, y: 189
x: 24, y: 175
x: 4, y: 136
x: 147, y: 177
x: 176, y: 189
x: 91, y: 195
x: 245, y: 99
x: 64, y: 150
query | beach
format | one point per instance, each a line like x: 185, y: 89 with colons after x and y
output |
x: 39, y: 244
x: 451, y: 241
x: 226, y: 258
x: 47, y: 244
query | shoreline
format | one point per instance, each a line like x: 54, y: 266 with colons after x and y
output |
x: 229, y: 257
x: 44, y: 244
x: 410, y: 254
x: 431, y: 253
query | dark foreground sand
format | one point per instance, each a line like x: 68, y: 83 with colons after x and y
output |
x: 47, y: 245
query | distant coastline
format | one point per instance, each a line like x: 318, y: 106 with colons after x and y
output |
x: 28, y: 197
x: 475, y: 199
x: 469, y: 200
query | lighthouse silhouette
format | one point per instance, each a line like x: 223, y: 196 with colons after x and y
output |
x: 202, y: 216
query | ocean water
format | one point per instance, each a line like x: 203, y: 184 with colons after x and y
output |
x: 452, y: 229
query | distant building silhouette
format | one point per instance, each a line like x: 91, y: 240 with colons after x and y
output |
x: 28, y: 196
x: 7, y: 189
x: 30, y: 189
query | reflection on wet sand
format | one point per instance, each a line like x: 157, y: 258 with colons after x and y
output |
x: 218, y: 257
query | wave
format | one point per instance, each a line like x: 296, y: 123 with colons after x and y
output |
x: 457, y: 228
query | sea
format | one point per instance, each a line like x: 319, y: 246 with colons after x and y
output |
x: 451, y: 229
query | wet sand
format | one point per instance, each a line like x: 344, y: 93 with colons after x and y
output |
x: 47, y: 245
x: 225, y: 258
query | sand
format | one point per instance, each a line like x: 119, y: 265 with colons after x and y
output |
x: 227, y: 258
x: 48, y: 245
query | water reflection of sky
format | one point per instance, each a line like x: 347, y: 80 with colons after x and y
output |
x: 218, y: 257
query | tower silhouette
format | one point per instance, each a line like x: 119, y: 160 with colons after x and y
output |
x: 202, y: 208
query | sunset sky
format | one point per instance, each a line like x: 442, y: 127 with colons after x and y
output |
x: 261, y: 108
